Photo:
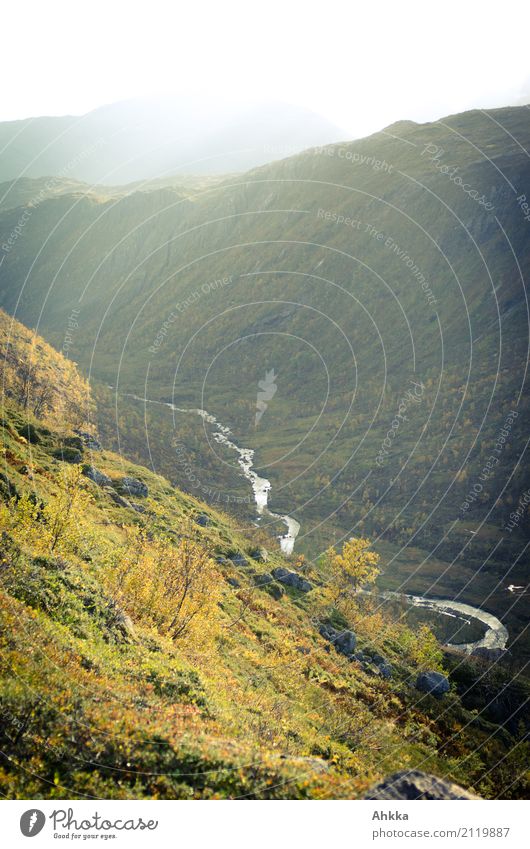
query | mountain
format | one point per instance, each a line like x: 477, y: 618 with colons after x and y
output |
x: 153, y: 648
x: 380, y: 284
x: 147, y: 139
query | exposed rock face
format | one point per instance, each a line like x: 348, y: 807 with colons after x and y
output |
x: 417, y: 785
x: 203, y: 520
x: 260, y: 554
x: 118, y: 499
x: 89, y: 440
x: 134, y: 487
x: 263, y: 580
x: 432, y: 682
x: 292, y: 579
x: 238, y: 560
x: 344, y: 641
x: 100, y: 478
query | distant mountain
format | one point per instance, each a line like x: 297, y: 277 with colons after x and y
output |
x: 358, y: 273
x: 148, y: 139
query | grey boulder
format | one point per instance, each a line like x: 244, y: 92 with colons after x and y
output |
x: 344, y: 641
x: 432, y: 682
x: 99, y: 478
x: 417, y: 785
x: 135, y: 487
x: 292, y: 579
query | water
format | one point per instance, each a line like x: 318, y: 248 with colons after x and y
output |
x: 496, y: 635
x: 261, y: 487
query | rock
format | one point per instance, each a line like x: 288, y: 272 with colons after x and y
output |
x: 417, y: 785
x: 432, y: 682
x: 233, y: 582
x: 344, y: 641
x: 139, y: 508
x: 89, y: 440
x: 292, y: 579
x: 275, y: 590
x: 238, y: 559
x: 385, y: 670
x: 118, y: 499
x: 260, y: 554
x: 203, y: 520
x: 263, y: 580
x: 134, y: 487
x: 100, y: 478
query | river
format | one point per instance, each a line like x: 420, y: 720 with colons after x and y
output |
x: 496, y: 635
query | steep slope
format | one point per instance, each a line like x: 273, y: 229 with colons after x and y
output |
x: 102, y: 696
x: 382, y: 282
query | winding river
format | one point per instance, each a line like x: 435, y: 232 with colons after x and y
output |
x: 496, y: 635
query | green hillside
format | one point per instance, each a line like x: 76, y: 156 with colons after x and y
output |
x: 115, y: 683
x: 357, y: 273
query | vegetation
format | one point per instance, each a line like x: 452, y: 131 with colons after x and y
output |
x: 138, y: 660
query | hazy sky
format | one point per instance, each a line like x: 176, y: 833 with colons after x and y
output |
x: 362, y: 65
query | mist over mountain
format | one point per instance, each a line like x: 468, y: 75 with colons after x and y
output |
x: 150, y: 138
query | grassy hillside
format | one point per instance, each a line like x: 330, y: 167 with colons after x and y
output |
x: 116, y: 685
x: 356, y: 272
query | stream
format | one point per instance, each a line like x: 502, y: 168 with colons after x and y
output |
x: 496, y: 635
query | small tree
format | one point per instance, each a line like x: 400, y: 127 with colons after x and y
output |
x: 62, y: 514
x: 355, y: 567
x: 173, y: 587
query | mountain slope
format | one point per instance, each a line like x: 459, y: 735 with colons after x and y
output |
x: 375, y: 278
x: 102, y: 697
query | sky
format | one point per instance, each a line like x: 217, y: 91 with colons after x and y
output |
x: 361, y: 65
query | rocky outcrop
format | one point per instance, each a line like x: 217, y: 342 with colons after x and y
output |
x: 292, y: 579
x: 89, y: 440
x: 117, y: 498
x: 260, y: 554
x: 343, y: 641
x: 134, y: 487
x: 238, y: 559
x: 433, y: 683
x: 99, y: 478
x: 203, y: 520
x: 417, y: 785
x: 263, y: 580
